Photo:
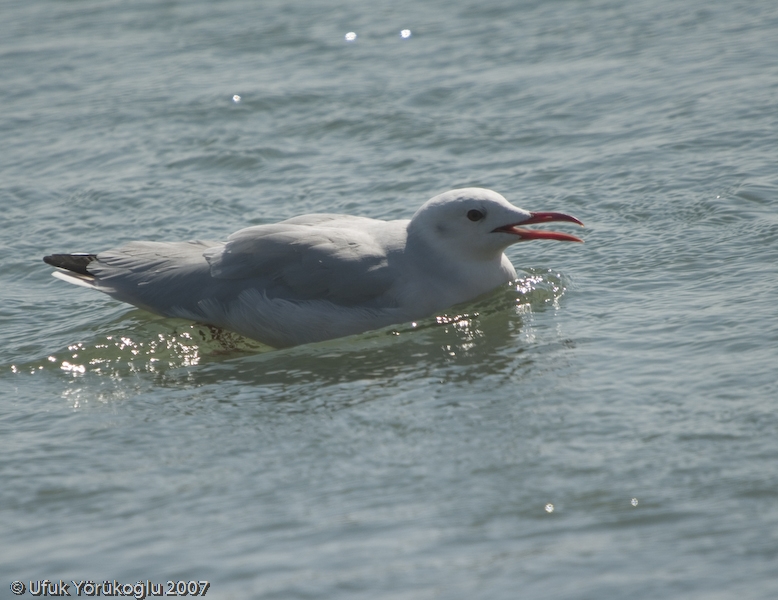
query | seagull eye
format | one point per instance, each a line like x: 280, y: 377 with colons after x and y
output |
x: 475, y: 215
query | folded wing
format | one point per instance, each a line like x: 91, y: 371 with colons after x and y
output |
x: 307, y: 260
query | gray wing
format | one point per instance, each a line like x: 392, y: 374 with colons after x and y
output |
x: 311, y: 279
x: 162, y: 277
x: 323, y: 257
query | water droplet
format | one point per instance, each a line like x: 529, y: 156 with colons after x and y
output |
x: 634, y: 502
x: 405, y: 34
x: 549, y: 508
x: 236, y: 98
x: 351, y: 36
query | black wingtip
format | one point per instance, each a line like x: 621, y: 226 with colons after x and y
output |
x: 77, y: 263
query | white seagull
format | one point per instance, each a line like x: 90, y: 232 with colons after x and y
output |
x: 322, y: 276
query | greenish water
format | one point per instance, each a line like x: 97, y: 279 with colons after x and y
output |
x: 603, y: 428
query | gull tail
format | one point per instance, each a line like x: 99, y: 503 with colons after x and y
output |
x: 73, y: 268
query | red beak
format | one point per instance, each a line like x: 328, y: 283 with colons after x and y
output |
x: 542, y: 217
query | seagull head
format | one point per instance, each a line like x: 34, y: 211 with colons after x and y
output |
x: 481, y: 223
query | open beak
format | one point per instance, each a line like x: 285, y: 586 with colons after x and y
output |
x: 535, y: 234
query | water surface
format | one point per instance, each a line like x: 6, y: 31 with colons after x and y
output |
x: 605, y: 427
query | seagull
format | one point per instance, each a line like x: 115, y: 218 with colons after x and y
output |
x: 321, y: 276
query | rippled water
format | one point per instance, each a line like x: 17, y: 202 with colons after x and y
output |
x: 605, y: 427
